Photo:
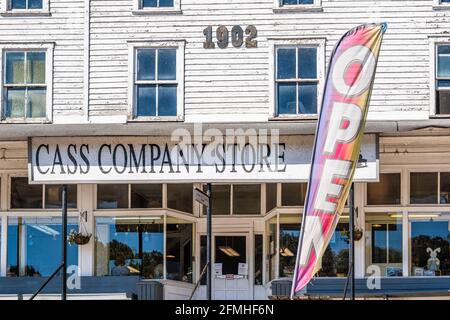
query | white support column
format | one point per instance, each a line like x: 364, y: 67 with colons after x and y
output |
x: 3, y: 242
x: 405, y: 243
x: 360, y: 222
x: 86, y: 252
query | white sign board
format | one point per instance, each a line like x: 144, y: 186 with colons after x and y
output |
x: 158, y: 159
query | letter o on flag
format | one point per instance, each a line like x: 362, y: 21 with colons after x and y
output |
x: 356, y: 54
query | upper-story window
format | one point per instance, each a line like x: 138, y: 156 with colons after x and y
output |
x: 158, y: 82
x: 156, y: 6
x: 24, y: 7
x: 157, y: 3
x: 24, y: 84
x: 294, y: 2
x: 26, y: 4
x: 296, y: 80
x: 443, y: 79
x: 297, y: 5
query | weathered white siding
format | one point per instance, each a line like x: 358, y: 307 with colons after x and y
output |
x: 64, y: 26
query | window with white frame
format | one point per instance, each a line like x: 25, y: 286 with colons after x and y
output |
x: 24, y: 84
x: 158, y: 82
x: 296, y: 80
x: 155, y: 6
x: 302, y: 5
x: 443, y: 79
x: 26, y: 7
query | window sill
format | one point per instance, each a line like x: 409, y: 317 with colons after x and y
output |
x: 293, y: 117
x: 440, y: 116
x: 442, y: 7
x: 298, y: 8
x: 157, y: 11
x: 26, y: 121
x: 156, y: 119
x: 25, y: 13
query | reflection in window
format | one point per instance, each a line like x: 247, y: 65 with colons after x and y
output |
x: 34, y: 246
x: 258, y: 259
x: 430, y: 248
x: 423, y: 187
x: 385, y: 192
x: 24, y: 195
x: 271, y: 245
x: 53, y: 196
x: 220, y: 198
x: 293, y: 194
x: 271, y: 196
x: 289, y: 234
x: 247, y: 199
x: 230, y: 251
x: 129, y: 246
x: 179, y: 251
x: 146, y: 196
x: 443, y: 78
x: 335, y: 257
x: 179, y: 197
x: 112, y: 196
x: 444, y: 190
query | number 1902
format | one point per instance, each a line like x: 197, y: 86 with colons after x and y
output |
x: 237, y: 37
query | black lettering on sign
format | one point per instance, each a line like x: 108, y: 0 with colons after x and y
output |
x: 237, y: 37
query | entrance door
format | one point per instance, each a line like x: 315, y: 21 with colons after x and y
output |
x: 231, y: 268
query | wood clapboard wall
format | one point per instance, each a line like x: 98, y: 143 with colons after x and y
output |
x: 228, y: 84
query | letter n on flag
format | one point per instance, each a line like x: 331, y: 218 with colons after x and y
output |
x: 337, y: 144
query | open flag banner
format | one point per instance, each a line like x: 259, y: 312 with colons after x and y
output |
x: 337, y: 145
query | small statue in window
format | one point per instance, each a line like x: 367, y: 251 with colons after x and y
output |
x: 433, y: 263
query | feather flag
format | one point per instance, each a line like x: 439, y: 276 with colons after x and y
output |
x: 337, y: 145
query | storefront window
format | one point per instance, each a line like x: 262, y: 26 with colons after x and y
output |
x: 430, y: 248
x: 272, y: 239
x: 384, y: 243
x: 289, y: 234
x: 53, y: 196
x: 203, y: 249
x: 293, y: 194
x: 34, y: 246
x: 271, y: 196
x: 179, y: 197
x: 179, y: 250
x: 385, y: 192
x: 423, y: 187
x: 24, y: 195
x: 146, y: 196
x: 335, y: 258
x: 258, y: 259
x: 112, y: 196
x: 129, y: 246
x: 220, y: 198
x: 247, y: 199
x: 444, y: 194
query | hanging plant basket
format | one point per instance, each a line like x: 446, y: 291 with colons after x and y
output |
x: 79, y: 238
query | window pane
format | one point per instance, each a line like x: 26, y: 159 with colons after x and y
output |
x: 15, y: 70
x: 34, y: 246
x: 167, y: 100
x: 36, y: 67
x: 444, y: 197
x: 35, y: 4
x: 166, y: 3
x: 335, y: 257
x: 293, y: 194
x: 247, y: 199
x: 146, y: 196
x: 149, y: 3
x: 220, y: 198
x: 24, y: 195
x: 443, y: 83
x: 423, y: 187
x: 179, y: 197
x: 167, y: 64
x: 289, y: 234
x: 395, y: 243
x: 18, y: 4
x: 258, y: 259
x: 307, y: 98
x: 287, y: 2
x: 36, y: 103
x: 271, y: 196
x: 203, y: 249
x: 443, y: 102
x: 15, y: 103
x: 430, y: 248
x: 286, y: 98
x: 146, y: 64
x: 286, y: 63
x: 53, y: 196
x: 146, y: 100
x: 129, y: 246
x: 230, y: 251
x: 385, y: 192
x: 307, y: 63
x: 379, y: 243
x: 179, y: 251
x: 112, y: 196
x: 443, y: 61
x: 305, y: 1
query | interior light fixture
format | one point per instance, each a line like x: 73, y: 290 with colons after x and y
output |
x: 286, y: 252
x: 149, y: 218
x: 45, y: 229
x: 229, y: 251
x: 417, y: 215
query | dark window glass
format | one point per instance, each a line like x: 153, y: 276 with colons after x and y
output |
x: 112, y: 196
x: 146, y: 64
x: 386, y: 243
x: 18, y: 4
x: 34, y: 4
x: 53, y: 196
x: 443, y: 80
x: 167, y: 100
x: 423, y: 187
x: 444, y: 197
x: 179, y: 252
x: 247, y: 199
x: 385, y: 192
x: 335, y: 257
x: 167, y: 64
x: 258, y: 259
x: 24, y: 195
x: 230, y: 251
x: 157, y: 3
x: 289, y: 234
x: 293, y: 194
x: 294, y: 2
x: 146, y: 100
x: 430, y: 248
x: 443, y: 102
x: 203, y: 248
x: 287, y: 97
x: 146, y: 196
x: 286, y: 63
x: 271, y: 196
x: 307, y: 98
x: 166, y: 3
x: 34, y: 246
x: 307, y: 63
x: 220, y: 198
x: 129, y: 246
x: 179, y: 197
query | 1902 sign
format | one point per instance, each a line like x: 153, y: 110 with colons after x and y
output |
x: 237, y: 37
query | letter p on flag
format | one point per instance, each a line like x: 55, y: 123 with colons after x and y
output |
x: 337, y: 144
